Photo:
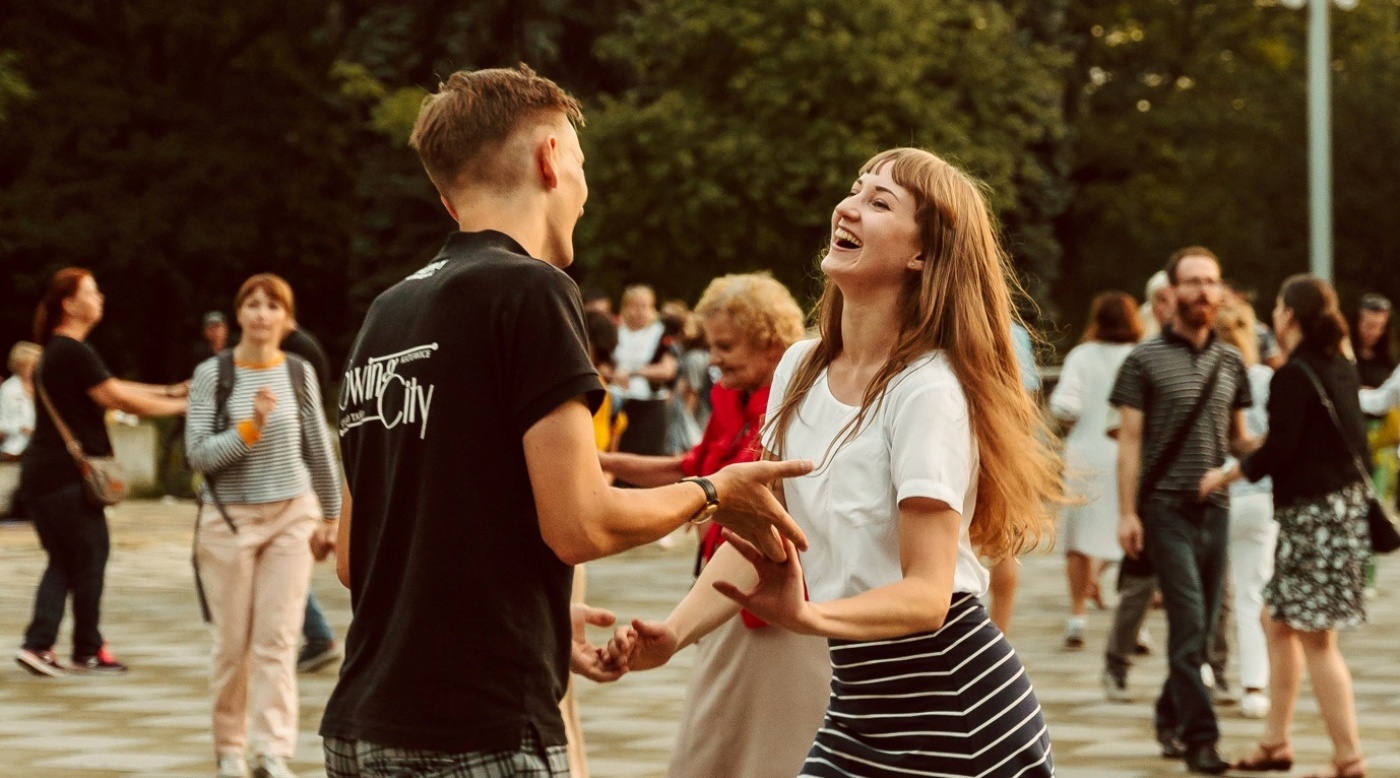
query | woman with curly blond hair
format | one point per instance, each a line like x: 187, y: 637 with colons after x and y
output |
x: 757, y: 693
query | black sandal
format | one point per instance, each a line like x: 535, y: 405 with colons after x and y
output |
x: 1267, y: 758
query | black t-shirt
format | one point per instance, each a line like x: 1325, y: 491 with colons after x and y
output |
x: 460, y: 637
x: 1304, y: 451
x: 68, y: 370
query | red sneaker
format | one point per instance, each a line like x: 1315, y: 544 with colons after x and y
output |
x: 101, y: 662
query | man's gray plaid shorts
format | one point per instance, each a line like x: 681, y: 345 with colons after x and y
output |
x: 360, y: 759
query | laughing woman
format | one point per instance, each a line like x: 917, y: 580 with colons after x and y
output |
x: 930, y: 453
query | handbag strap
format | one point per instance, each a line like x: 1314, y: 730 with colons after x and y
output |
x: 1336, y: 422
x: 1163, y: 461
x: 75, y: 449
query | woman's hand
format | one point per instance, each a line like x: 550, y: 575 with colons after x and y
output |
x: 1214, y: 480
x: 641, y: 645
x: 779, y: 596
x: 264, y: 403
x: 323, y: 540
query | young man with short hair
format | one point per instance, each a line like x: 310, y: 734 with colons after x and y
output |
x: 466, y: 424
x: 1182, y: 397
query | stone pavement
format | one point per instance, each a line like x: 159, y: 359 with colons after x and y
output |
x: 154, y: 722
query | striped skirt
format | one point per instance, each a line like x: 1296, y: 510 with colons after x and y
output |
x: 953, y: 703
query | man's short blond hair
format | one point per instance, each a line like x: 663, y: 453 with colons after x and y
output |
x: 463, y: 128
x: 758, y: 305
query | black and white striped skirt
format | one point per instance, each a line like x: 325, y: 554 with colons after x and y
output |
x: 952, y: 703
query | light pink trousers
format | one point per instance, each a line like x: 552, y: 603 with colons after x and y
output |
x: 255, y: 582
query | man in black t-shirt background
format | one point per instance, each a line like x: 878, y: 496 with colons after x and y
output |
x: 474, y: 482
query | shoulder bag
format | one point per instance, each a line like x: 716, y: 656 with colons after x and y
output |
x: 104, y: 480
x: 1385, y: 537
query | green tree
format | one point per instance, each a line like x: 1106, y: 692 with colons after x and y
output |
x: 1189, y: 127
x: 173, y: 149
x: 747, y: 124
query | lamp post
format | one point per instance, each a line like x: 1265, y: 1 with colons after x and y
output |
x: 1320, y: 132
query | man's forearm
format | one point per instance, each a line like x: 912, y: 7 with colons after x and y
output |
x: 627, y: 518
x: 1128, y: 467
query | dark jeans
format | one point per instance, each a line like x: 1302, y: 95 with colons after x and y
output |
x: 74, y: 533
x: 1187, y: 543
x: 315, y: 627
x: 1134, y: 600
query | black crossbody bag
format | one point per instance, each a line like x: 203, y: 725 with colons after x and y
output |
x: 1385, y: 537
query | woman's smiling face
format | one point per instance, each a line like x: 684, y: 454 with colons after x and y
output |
x: 874, y: 234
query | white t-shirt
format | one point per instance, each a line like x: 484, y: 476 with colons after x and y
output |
x: 16, y: 416
x: 918, y: 443
x: 635, y: 350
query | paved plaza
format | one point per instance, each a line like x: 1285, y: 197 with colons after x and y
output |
x: 154, y: 721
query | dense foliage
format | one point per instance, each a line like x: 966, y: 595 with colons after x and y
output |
x: 175, y: 149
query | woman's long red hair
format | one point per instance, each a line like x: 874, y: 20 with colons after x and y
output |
x: 49, y: 313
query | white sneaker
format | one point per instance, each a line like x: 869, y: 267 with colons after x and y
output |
x: 1254, y: 705
x: 271, y: 766
x: 1074, y: 633
x: 1115, y: 688
x: 232, y: 766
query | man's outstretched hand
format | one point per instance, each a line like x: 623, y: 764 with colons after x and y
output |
x: 589, y: 660
x: 748, y: 508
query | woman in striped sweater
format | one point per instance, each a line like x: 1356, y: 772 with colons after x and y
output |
x: 272, y: 492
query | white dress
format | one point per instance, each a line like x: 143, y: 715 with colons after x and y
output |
x: 1091, y: 457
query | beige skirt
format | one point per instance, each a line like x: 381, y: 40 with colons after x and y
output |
x: 754, y: 703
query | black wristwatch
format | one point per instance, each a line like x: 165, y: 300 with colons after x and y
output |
x: 711, y: 506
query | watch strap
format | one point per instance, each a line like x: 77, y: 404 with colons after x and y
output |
x: 711, y: 494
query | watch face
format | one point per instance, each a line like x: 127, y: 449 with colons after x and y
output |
x: 706, y: 513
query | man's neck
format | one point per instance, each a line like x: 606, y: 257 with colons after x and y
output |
x: 522, y: 222
x: 73, y: 329
x: 1198, y: 336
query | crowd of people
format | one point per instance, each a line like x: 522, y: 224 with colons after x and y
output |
x: 858, y: 486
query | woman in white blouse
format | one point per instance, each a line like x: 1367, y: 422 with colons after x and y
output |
x: 17, y: 401
x: 930, y: 452
x: 1080, y: 403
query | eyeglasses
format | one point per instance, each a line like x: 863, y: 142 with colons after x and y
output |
x: 1374, y: 302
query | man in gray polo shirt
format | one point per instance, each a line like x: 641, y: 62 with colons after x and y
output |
x: 1157, y: 390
